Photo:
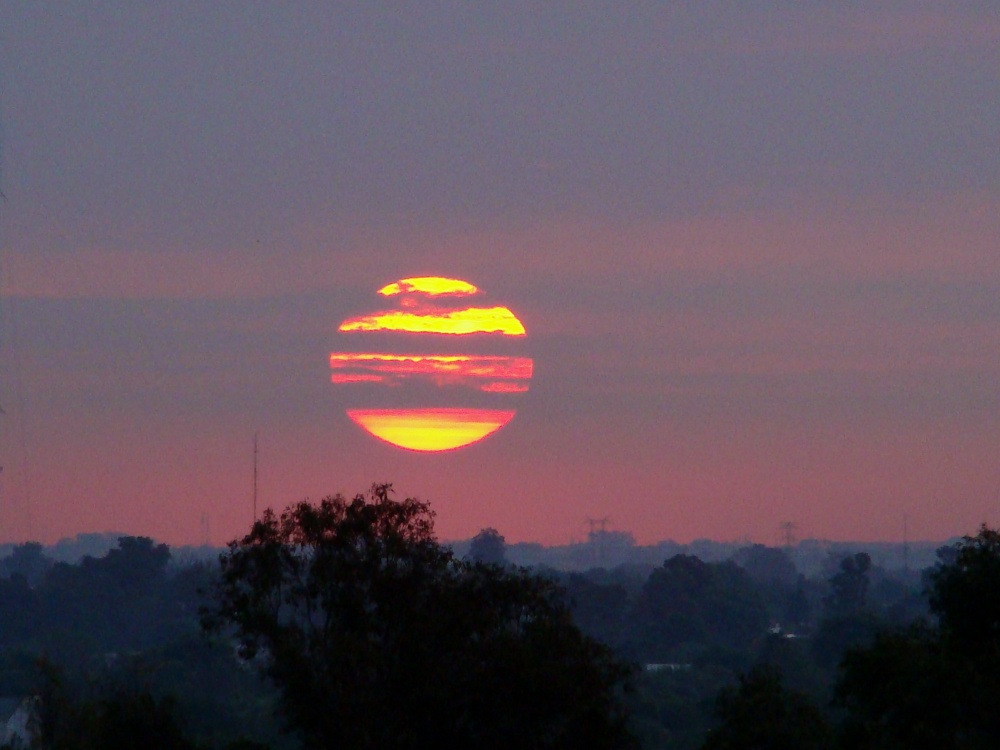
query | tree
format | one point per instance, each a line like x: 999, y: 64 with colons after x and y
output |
x: 849, y: 586
x: 135, y: 565
x: 489, y: 546
x: 378, y: 637
x: 111, y: 603
x: 965, y: 594
x: 113, y: 717
x: 28, y: 560
x: 687, y: 602
x: 768, y: 566
x: 598, y: 609
x: 761, y: 713
x: 19, y: 605
x: 847, y: 622
x: 934, y: 688
x: 900, y: 692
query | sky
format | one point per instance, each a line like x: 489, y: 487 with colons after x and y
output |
x: 755, y: 248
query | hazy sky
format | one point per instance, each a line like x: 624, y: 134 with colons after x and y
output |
x: 756, y: 248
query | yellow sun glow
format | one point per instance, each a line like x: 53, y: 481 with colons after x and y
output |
x: 431, y: 285
x: 459, y: 322
x: 430, y: 429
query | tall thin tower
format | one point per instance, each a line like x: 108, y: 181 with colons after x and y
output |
x: 598, y: 530
x: 786, y: 533
x: 255, y: 477
x: 906, y: 543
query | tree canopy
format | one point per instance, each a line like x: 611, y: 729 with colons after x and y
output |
x: 761, y: 713
x: 489, y: 546
x: 929, y: 687
x: 690, y: 603
x: 378, y: 637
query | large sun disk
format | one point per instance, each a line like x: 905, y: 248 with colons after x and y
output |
x: 436, y: 312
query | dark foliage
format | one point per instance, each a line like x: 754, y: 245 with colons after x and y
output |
x: 899, y: 693
x: 600, y: 610
x: 934, y: 688
x: 377, y: 637
x: 28, y: 561
x: 849, y: 586
x: 769, y: 566
x: 688, y: 605
x: 760, y: 714
x: 965, y: 595
x: 489, y: 546
x: 834, y: 636
x: 113, y: 717
x: 438, y: 640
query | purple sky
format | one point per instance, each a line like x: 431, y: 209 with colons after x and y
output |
x: 756, y: 248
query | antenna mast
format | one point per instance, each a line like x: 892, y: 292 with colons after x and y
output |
x: 255, y: 477
x: 906, y: 543
x: 787, y: 533
x: 598, y: 530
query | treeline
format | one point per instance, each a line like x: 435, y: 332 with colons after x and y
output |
x: 747, y: 652
x: 695, y: 627
x: 117, y: 639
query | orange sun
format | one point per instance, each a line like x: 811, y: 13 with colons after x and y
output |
x: 440, y: 393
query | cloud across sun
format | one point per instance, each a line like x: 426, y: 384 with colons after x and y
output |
x: 425, y: 312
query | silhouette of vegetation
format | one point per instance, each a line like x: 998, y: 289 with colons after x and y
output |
x: 965, y: 595
x: 761, y: 713
x: 27, y: 561
x: 114, y: 717
x: 378, y: 637
x: 688, y: 606
x: 849, y: 587
x: 489, y: 546
x: 925, y: 687
x: 486, y: 655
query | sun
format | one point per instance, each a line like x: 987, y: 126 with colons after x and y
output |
x: 435, y: 368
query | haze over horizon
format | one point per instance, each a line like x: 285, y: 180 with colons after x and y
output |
x: 755, y: 249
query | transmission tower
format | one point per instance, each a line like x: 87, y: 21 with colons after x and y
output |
x: 598, y: 529
x: 906, y: 543
x: 787, y: 531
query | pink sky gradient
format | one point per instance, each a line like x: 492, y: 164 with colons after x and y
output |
x: 756, y: 251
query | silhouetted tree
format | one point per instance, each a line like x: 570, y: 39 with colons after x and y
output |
x: 489, y: 546
x: 899, y: 693
x: 27, y: 560
x: 934, y: 688
x: 965, y: 594
x: 600, y: 610
x: 769, y: 566
x: 378, y: 637
x: 847, y: 621
x: 114, y: 717
x: 849, y: 586
x: 687, y: 602
x: 760, y: 714
x: 19, y: 610
x: 110, y: 603
x: 135, y: 565
x: 835, y: 635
